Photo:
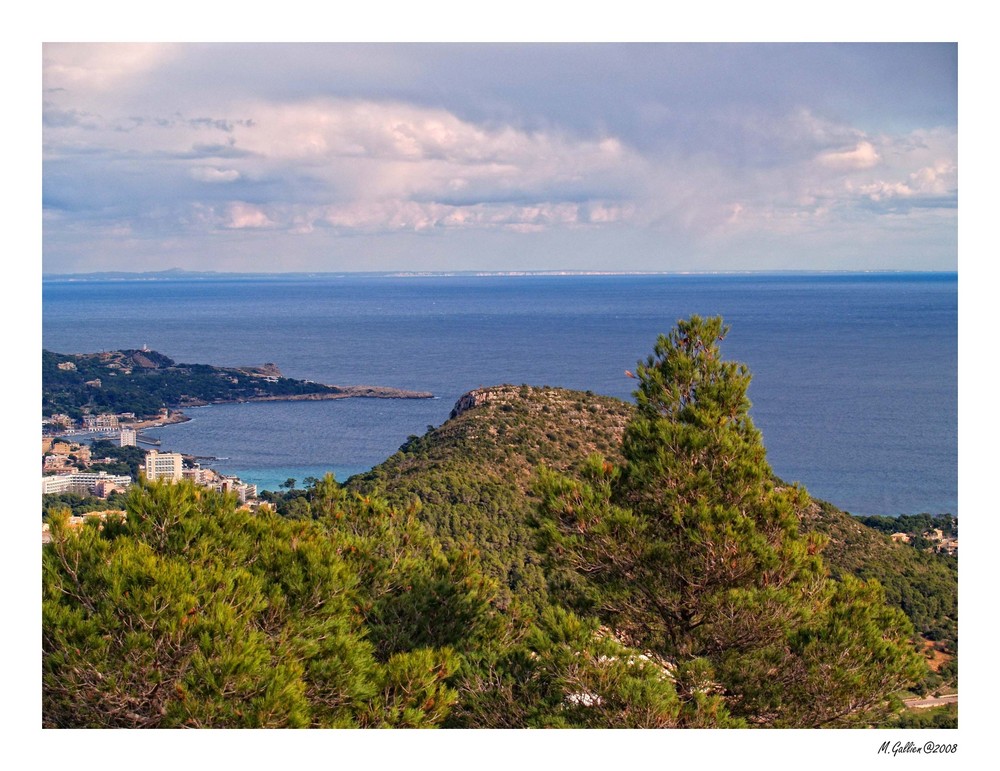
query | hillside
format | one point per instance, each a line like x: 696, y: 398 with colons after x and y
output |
x: 145, y: 382
x: 497, y: 573
x: 474, y: 473
x: 474, y: 477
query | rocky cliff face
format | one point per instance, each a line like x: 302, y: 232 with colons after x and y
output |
x: 477, y: 398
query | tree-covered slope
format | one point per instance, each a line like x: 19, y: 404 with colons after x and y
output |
x: 474, y: 475
x: 546, y: 558
x: 923, y: 584
x: 189, y: 612
x: 145, y: 382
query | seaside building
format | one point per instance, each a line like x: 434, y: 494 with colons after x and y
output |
x: 103, y: 422
x: 104, y: 487
x: 244, y: 491
x: 164, y: 465
x: 99, y: 483
x: 64, y: 450
x: 127, y: 437
x: 61, y: 419
x: 58, y: 463
x: 107, y: 420
x: 199, y: 475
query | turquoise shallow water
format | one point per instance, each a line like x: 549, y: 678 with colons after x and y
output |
x: 855, y: 375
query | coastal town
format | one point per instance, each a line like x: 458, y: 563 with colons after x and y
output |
x: 96, y: 406
x: 71, y: 464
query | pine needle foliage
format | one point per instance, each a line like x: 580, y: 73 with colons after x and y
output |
x: 693, y: 550
x: 191, y: 612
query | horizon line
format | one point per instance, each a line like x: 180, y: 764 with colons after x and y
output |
x: 180, y: 272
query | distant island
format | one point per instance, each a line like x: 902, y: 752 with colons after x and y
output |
x: 146, y: 383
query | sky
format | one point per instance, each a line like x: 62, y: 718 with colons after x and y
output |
x: 499, y: 157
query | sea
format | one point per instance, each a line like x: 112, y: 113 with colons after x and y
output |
x: 855, y: 375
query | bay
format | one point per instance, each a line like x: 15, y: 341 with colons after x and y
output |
x: 854, y: 389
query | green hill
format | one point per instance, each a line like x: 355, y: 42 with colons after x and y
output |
x: 474, y: 477
x: 474, y: 473
x: 146, y: 382
x: 545, y: 558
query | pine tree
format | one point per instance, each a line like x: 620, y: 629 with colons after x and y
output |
x: 693, y: 549
x: 190, y: 612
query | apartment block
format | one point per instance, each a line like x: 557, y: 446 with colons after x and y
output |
x: 164, y: 465
x: 99, y: 483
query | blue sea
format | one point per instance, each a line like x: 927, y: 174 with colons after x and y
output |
x: 854, y: 375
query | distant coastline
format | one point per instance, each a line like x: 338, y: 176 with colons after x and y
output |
x: 343, y: 392
x: 145, y: 383
x: 195, y: 275
x: 177, y: 415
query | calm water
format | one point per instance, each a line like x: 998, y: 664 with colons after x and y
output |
x: 855, y: 376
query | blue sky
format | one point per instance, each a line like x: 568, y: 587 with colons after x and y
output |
x: 676, y: 157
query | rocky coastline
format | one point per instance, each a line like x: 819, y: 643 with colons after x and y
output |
x: 342, y: 392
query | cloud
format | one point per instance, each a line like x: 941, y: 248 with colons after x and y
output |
x: 242, y: 215
x: 720, y: 145
x: 862, y: 156
x: 96, y: 67
x: 393, y: 148
x: 412, y: 166
x: 213, y: 174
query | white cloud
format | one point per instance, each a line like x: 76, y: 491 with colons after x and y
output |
x: 374, y: 150
x: 145, y: 136
x: 862, y: 156
x: 213, y: 174
x: 243, y: 215
x: 930, y: 181
x: 97, y: 66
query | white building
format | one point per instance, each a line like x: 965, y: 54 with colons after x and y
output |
x: 244, y: 491
x: 127, y: 437
x: 164, y: 465
x: 107, y: 420
x: 84, y: 483
x: 199, y: 475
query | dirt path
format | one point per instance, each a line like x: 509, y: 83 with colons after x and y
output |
x: 933, y: 701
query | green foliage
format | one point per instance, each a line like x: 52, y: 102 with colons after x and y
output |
x: 412, y: 593
x: 693, y: 551
x: 839, y: 668
x: 936, y: 717
x: 77, y: 505
x: 563, y: 672
x: 190, y: 612
x: 125, y: 461
x: 473, y: 475
x: 914, y: 524
x: 667, y: 580
x: 923, y: 584
x: 146, y: 382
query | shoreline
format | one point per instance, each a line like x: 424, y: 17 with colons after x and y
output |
x: 343, y: 392
x: 176, y: 415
